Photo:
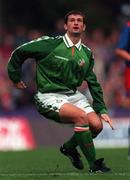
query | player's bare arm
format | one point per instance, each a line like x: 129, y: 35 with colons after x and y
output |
x: 123, y: 54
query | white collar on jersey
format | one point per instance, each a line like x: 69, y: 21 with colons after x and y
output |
x: 69, y: 43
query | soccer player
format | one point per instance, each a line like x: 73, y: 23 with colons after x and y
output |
x: 63, y: 63
x: 123, y: 51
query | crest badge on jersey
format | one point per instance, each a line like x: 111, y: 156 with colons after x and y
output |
x: 81, y: 62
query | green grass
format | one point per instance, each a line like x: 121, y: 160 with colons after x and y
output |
x: 48, y: 164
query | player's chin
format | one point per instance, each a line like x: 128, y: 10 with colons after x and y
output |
x: 76, y: 33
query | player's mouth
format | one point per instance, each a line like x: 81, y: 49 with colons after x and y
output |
x: 76, y: 28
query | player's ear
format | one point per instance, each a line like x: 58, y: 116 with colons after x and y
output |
x: 65, y: 27
x: 84, y: 27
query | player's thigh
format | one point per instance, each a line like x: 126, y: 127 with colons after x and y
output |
x: 95, y: 122
x: 82, y: 102
x: 48, y: 104
x: 70, y: 113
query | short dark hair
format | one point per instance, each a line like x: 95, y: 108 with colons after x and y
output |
x: 75, y: 12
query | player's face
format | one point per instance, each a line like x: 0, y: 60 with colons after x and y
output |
x: 75, y: 24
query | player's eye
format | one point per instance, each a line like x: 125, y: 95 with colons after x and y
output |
x: 72, y: 20
x: 80, y: 20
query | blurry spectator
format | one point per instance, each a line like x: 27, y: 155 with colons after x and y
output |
x: 20, y: 35
x: 59, y: 27
x: 123, y: 52
x: 6, y: 49
x: 34, y: 34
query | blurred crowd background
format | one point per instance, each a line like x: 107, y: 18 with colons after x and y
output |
x: 22, y: 21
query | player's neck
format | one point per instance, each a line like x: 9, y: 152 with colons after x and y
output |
x: 75, y: 38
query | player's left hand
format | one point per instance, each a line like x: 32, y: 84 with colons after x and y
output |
x: 20, y: 85
x: 107, y: 119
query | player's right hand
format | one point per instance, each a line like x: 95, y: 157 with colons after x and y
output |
x: 20, y: 85
x: 107, y: 119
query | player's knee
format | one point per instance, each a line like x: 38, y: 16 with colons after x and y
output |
x: 96, y: 131
x: 82, y: 119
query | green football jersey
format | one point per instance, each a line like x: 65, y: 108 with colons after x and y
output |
x: 57, y: 67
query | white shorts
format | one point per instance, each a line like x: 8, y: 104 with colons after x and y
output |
x: 52, y: 102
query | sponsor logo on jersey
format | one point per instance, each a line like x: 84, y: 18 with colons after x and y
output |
x: 63, y: 58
